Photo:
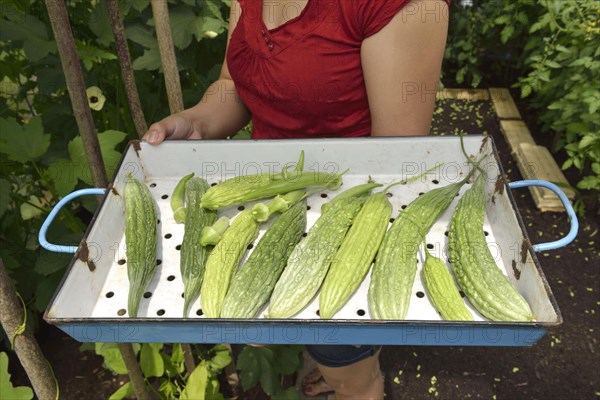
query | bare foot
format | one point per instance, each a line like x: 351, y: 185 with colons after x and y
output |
x: 313, y: 384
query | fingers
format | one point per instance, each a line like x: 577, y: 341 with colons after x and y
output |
x: 173, y: 127
x: 155, y: 135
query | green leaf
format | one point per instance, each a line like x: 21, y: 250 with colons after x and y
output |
x: 21, y: 6
x: 49, y: 262
x: 290, y: 393
x: 99, y: 23
x: 108, y: 140
x: 7, y: 390
x: 256, y: 364
x: 112, y: 357
x: 196, y: 383
x: 149, y: 61
x: 567, y: 164
x: 32, y: 33
x: 287, y: 359
x: 64, y: 173
x: 150, y: 361
x: 553, y: 64
x: 45, y: 290
x: 587, y: 140
x: 141, y: 35
x: 23, y: 143
x: 91, y: 55
x: 221, y: 358
x: 123, y: 392
x: 168, y: 389
x: 525, y: 90
x: 184, y: 24
x: 4, y: 196
x: 506, y: 33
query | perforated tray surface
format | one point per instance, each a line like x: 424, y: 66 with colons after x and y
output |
x: 94, y: 303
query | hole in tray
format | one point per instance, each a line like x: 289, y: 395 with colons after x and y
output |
x: 171, y: 278
x: 361, y: 313
x: 250, y: 246
x: 435, y: 181
x: 421, y: 194
x: 486, y: 233
x: 462, y: 294
x: 318, y: 313
x: 158, y: 262
x: 457, y: 194
x: 307, y: 208
x: 168, y: 236
x: 110, y: 294
x: 429, y: 246
x: 147, y: 295
x: 199, y: 312
x: 241, y: 208
x: 420, y: 294
x: 324, y: 195
x: 392, y: 220
x: 160, y: 312
x: 122, y: 261
x: 164, y: 196
x: 304, y: 234
x: 157, y: 221
x: 183, y: 295
x: 178, y: 247
x: 121, y: 312
x: 153, y: 185
x: 446, y: 233
x: 388, y: 194
x: 404, y: 207
x: 214, y: 184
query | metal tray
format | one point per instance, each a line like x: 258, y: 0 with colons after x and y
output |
x: 90, y: 303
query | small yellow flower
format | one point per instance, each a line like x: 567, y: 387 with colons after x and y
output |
x: 210, y: 34
x: 95, y: 98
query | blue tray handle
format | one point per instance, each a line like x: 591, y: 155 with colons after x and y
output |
x: 44, y: 229
x: 566, y: 203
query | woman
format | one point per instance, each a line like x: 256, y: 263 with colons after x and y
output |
x: 324, y: 68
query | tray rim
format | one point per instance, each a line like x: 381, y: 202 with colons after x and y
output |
x: 135, y: 144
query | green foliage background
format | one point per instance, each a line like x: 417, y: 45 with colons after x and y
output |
x: 550, y: 51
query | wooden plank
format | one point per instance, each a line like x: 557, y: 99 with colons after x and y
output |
x: 504, y: 104
x: 516, y: 133
x: 536, y: 162
x: 463, y: 94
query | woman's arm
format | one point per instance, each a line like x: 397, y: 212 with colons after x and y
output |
x: 401, y: 65
x: 220, y: 113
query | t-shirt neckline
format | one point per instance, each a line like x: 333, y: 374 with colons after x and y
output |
x: 299, y: 17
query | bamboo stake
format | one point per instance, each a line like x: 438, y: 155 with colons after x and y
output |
x: 59, y: 18
x: 162, y: 25
x: 134, y: 370
x: 30, y: 355
x: 188, y: 357
x: 133, y: 97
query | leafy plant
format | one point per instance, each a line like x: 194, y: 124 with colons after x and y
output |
x: 163, y: 367
x: 267, y: 366
x: 7, y: 389
x: 549, y: 50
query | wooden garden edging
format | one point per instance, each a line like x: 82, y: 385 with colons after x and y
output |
x: 533, y: 161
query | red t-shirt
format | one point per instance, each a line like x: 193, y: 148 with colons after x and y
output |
x: 304, y: 78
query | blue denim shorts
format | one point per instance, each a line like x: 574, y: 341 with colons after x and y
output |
x: 340, y: 355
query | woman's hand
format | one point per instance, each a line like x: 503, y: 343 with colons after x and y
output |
x: 180, y: 126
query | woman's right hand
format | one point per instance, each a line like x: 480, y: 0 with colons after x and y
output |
x: 180, y: 126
